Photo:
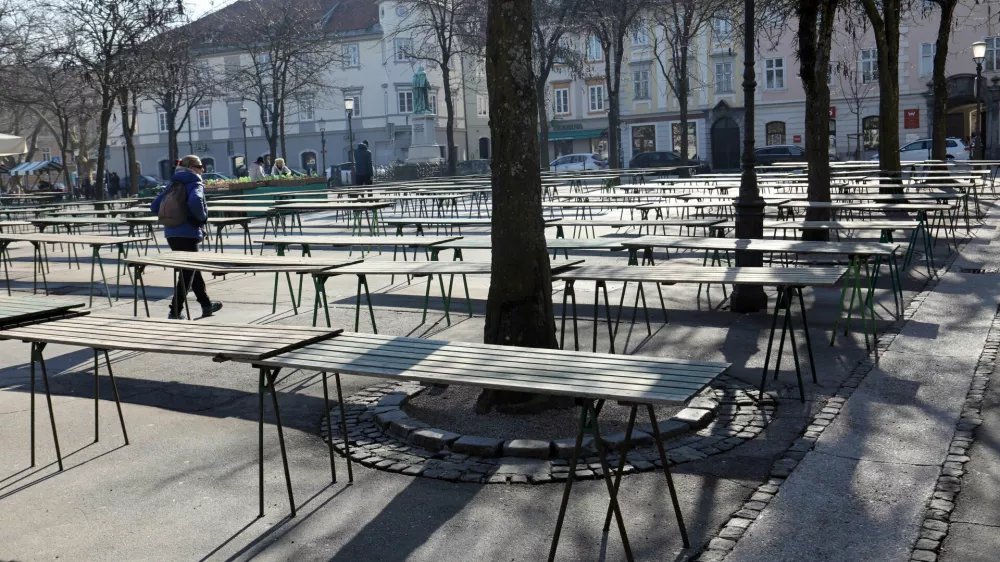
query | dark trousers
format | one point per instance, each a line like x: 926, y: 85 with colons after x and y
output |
x: 188, y: 279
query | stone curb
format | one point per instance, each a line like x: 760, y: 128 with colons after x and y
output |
x: 724, y: 541
x: 384, y: 437
x: 937, y: 517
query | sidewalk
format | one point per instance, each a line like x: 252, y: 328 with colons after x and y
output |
x: 862, y: 491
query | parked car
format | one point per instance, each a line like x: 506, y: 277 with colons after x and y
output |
x: 145, y: 182
x: 215, y: 176
x: 920, y: 150
x: 577, y: 162
x: 664, y: 159
x: 769, y: 155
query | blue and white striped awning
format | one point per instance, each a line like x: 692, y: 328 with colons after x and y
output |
x: 29, y: 168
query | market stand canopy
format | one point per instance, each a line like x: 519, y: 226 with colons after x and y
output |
x: 31, y: 168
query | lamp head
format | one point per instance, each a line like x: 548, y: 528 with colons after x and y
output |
x: 979, y: 51
x: 349, y: 104
x: 243, y: 114
x: 322, y: 125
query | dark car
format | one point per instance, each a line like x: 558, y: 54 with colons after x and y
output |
x: 769, y: 155
x: 663, y: 159
x: 145, y: 182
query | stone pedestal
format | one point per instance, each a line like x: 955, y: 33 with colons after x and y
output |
x: 423, y: 143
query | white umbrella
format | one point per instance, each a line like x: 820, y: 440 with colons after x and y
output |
x: 10, y: 144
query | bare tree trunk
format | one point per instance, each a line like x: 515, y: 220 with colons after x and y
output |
x: 816, y: 19
x: 682, y: 100
x: 449, y: 130
x: 519, y: 308
x: 102, y: 142
x: 939, y: 130
x: 543, y: 126
x: 885, y: 26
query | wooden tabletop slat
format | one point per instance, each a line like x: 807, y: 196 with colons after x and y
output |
x: 221, y: 341
x: 643, y: 379
x: 674, y: 274
x: 346, y: 241
x: 766, y: 245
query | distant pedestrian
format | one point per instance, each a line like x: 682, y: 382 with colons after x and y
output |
x: 363, y: 167
x: 257, y: 172
x: 184, y: 214
x: 279, y: 168
x: 114, y: 185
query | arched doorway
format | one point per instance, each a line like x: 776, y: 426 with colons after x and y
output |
x: 963, y: 120
x: 725, y: 144
x: 484, y: 148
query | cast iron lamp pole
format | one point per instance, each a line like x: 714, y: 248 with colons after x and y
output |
x: 349, y: 106
x: 979, y: 55
x: 749, y: 205
x: 322, y: 142
x: 246, y: 155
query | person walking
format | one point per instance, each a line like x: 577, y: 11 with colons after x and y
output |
x: 279, y: 168
x: 363, y: 165
x: 114, y: 185
x: 187, y: 236
x: 257, y: 172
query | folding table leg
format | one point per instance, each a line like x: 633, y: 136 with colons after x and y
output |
x: 588, y: 424
x: 805, y: 328
x: 666, y: 473
x: 622, y: 453
x: 329, y: 428
x: 343, y: 429
x: 271, y: 375
x: 36, y: 355
x: 770, y: 342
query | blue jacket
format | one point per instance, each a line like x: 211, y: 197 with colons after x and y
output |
x: 197, y: 210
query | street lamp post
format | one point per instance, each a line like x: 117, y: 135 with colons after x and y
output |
x: 979, y: 55
x: 246, y: 155
x: 749, y: 205
x: 322, y: 142
x: 349, y: 106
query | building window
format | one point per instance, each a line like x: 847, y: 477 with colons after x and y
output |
x: 774, y: 74
x: 204, y: 118
x: 308, y: 160
x: 594, y: 50
x: 927, y: 51
x: 640, y: 35
x: 723, y: 77
x: 640, y: 84
x: 482, y: 106
x: 403, y: 49
x: 352, y: 55
x: 992, y: 62
x: 562, y: 101
x: 692, y: 135
x: 161, y: 120
x: 307, y: 111
x: 643, y: 139
x: 775, y: 133
x: 405, y: 102
x: 869, y: 65
x: 356, y: 112
x: 560, y: 55
x: 432, y: 103
x: 596, y: 95
x: 869, y: 128
x: 46, y: 153
x: 721, y: 29
x: 263, y: 59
